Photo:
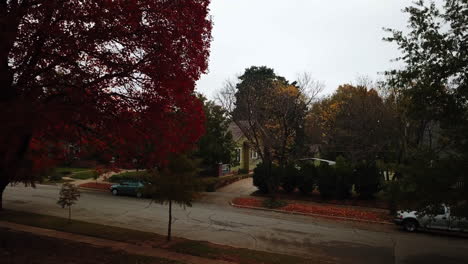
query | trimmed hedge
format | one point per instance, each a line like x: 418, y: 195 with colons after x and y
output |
x: 289, y: 178
x: 307, y: 179
x: 261, y: 178
x: 326, y: 180
x: 128, y: 176
x: 368, y: 180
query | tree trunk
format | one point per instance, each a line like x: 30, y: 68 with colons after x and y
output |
x: 69, y: 214
x: 3, y: 185
x: 169, y: 226
x: 272, y: 178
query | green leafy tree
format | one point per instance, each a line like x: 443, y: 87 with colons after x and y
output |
x: 217, y: 145
x: 68, y: 196
x: 354, y: 123
x: 270, y: 111
x: 174, y: 183
x: 433, y: 88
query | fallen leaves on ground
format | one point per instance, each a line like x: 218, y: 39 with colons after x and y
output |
x: 325, y: 210
x: 248, y: 202
x: 94, y: 185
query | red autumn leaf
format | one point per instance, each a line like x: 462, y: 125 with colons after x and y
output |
x: 111, y: 77
x: 252, y: 202
x: 325, y: 210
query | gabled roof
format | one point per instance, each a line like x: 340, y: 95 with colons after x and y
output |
x: 235, y: 131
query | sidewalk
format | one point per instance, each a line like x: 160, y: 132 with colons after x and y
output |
x: 129, y: 248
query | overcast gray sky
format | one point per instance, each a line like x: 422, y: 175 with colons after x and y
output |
x: 335, y: 40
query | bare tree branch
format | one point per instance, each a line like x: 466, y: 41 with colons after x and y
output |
x: 309, y: 87
x: 226, y: 96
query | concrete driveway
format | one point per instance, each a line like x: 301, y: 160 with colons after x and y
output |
x: 341, y: 242
x: 241, y: 188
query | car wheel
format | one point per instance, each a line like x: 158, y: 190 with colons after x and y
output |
x: 139, y: 195
x: 115, y: 192
x: 410, y: 225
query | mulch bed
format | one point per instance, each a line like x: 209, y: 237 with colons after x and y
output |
x: 316, y: 198
x: 99, y: 186
x: 325, y: 210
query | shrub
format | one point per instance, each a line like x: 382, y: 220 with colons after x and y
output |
x: 289, y: 177
x: 344, y: 178
x: 391, y: 195
x: 128, y: 176
x: 242, y: 171
x: 368, y: 180
x: 326, y: 180
x: 55, y: 177
x: 307, y: 178
x: 261, y: 179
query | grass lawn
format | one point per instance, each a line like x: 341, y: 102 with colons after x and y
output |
x: 56, y: 174
x: 77, y: 227
x: 189, y: 247
x: 82, y: 175
x: 54, y: 182
x: 237, y: 255
x: 67, y: 170
x: 20, y: 247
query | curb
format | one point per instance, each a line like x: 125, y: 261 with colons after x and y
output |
x: 309, y: 214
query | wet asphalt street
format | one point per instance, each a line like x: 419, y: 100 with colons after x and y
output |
x: 213, y: 220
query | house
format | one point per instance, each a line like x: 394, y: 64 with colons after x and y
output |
x: 246, y: 157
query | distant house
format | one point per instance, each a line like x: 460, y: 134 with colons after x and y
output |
x: 246, y: 157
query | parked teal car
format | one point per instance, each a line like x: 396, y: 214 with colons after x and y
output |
x: 128, y: 188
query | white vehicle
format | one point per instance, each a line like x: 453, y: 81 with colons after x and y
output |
x: 411, y: 221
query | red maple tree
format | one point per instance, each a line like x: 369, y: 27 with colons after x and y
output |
x: 117, y: 75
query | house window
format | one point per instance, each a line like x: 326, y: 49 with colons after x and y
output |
x: 238, y: 154
x: 253, y: 154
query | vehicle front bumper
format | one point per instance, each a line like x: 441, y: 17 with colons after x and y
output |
x: 398, y: 221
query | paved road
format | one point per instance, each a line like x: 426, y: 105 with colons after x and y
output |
x: 341, y: 242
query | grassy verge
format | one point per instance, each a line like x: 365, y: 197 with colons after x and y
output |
x: 77, y: 227
x: 238, y: 255
x: 189, y: 247
x: 20, y: 247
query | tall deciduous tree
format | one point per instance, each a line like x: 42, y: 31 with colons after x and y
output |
x: 270, y: 112
x: 434, y: 85
x: 354, y: 122
x: 112, y: 74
